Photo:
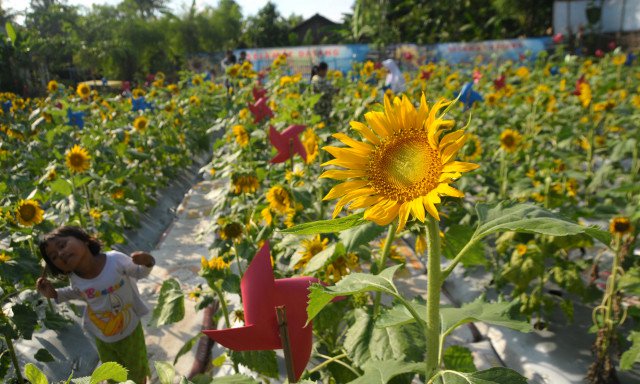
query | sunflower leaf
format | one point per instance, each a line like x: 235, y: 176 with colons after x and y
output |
x: 381, y: 372
x: 529, y: 218
x: 478, y: 310
x: 632, y: 355
x: 326, y: 226
x: 354, y: 283
x: 497, y: 375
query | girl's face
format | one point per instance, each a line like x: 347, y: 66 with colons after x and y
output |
x: 67, y: 252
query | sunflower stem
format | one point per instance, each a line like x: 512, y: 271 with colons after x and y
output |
x: 12, y: 351
x: 503, y: 175
x: 225, y: 313
x: 391, y: 233
x: 434, y: 284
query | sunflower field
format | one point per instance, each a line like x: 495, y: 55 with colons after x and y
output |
x: 527, y: 171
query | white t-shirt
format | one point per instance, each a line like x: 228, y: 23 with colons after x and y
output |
x: 114, y: 306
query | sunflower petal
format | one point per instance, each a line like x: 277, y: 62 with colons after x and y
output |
x: 344, y: 188
x: 343, y: 174
x: 365, y: 132
x: 446, y: 189
x: 459, y: 166
x: 403, y: 215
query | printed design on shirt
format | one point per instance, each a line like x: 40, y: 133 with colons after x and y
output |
x: 112, y: 322
x: 92, y: 293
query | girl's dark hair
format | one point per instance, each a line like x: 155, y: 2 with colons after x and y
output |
x: 67, y: 231
x: 322, y: 66
x: 314, y: 71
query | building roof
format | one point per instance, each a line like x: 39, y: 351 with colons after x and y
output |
x: 317, y: 18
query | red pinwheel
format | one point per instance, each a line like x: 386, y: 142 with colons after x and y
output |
x: 260, y: 110
x: 287, y: 143
x: 500, y: 82
x: 258, y: 93
x: 261, y: 294
x: 425, y: 75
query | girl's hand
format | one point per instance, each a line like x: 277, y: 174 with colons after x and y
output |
x: 46, y: 289
x: 143, y: 258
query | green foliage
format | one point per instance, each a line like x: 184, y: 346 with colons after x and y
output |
x: 108, y: 371
x: 490, y: 376
x: 326, y: 226
x: 43, y: 355
x: 260, y: 361
x: 165, y: 371
x: 458, y: 358
x: 632, y: 355
x: 170, y: 307
x: 381, y: 372
x: 34, y: 375
x: 235, y: 379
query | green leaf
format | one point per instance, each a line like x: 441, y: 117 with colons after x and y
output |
x: 235, y: 379
x: 630, y: 281
x: 458, y: 358
x: 43, y: 355
x: 187, y: 347
x: 165, y: 371
x: 632, y: 355
x: 322, y: 258
x: 108, y: 371
x: 529, y: 218
x: 456, y: 238
x: 260, y: 361
x: 34, y: 375
x: 380, y: 372
x: 496, y: 375
x: 170, y: 307
x: 354, y: 283
x: 478, y: 310
x: 55, y: 321
x: 25, y: 319
x: 354, y: 237
x: 400, y: 315
x: 326, y: 226
x: 11, y: 32
x: 61, y: 186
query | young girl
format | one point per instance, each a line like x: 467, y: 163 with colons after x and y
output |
x: 107, y: 282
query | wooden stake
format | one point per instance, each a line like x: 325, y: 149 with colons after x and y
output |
x: 281, y: 314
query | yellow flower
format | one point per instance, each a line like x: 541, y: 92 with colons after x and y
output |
x: 244, y: 112
x: 138, y: 92
x: 367, y: 69
x: 522, y: 72
x: 52, y: 86
x: 140, y: 124
x: 279, y: 199
x: 619, y: 60
x: 195, y: 293
x: 451, y: 82
x: 217, y: 263
x: 635, y: 101
x: 421, y: 243
x: 4, y: 257
x: 394, y: 254
x: 197, y: 80
x: 509, y: 140
x: 29, y: 213
x: 311, y: 248
x: 402, y: 167
x: 310, y: 142
x: 473, y: 149
x: 492, y: 98
x: 194, y: 100
x: 585, y: 94
x: 242, y: 138
x: 78, y: 159
x: 620, y: 226
x: 173, y: 89
x: 83, y: 90
x: 521, y: 249
x: 266, y: 216
x: 244, y: 184
x: 233, y: 70
x: 117, y: 194
x: 231, y: 231
x: 584, y: 143
x: 96, y: 214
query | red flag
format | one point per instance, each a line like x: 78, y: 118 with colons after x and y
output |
x: 261, y: 293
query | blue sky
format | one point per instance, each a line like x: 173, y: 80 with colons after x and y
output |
x: 331, y: 9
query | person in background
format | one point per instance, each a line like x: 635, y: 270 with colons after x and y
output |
x: 394, y: 80
x: 319, y: 84
x: 243, y: 57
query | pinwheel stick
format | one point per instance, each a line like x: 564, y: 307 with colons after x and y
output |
x: 281, y: 314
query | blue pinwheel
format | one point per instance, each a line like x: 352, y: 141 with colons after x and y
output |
x: 630, y: 58
x: 554, y: 70
x: 140, y: 104
x: 6, y: 106
x: 104, y: 81
x: 75, y: 118
x: 468, y: 96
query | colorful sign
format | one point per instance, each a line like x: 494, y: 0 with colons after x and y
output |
x: 513, y: 49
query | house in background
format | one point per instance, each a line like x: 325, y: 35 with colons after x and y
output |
x: 316, y: 30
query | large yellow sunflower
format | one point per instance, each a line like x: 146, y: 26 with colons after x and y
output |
x: 52, y: 86
x: 620, y: 226
x: 311, y: 247
x: 242, y: 137
x: 510, y: 139
x: 29, y: 213
x: 78, y: 159
x: 403, y: 166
